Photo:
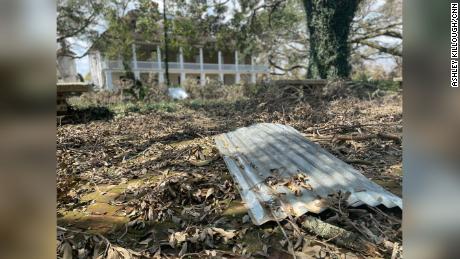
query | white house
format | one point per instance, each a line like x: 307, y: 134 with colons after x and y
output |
x: 200, y: 62
x: 227, y: 67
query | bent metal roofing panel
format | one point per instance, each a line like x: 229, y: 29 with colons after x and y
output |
x: 280, y: 172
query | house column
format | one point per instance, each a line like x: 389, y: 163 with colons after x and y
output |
x: 161, y: 78
x: 253, y: 72
x: 105, y: 62
x: 181, y: 61
x: 108, y: 80
x: 108, y: 74
x: 237, y: 75
x: 137, y: 75
x: 202, y: 75
x: 97, y: 65
x: 221, y: 73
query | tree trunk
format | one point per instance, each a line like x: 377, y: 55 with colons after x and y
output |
x: 136, y: 90
x: 329, y: 23
x: 165, y: 28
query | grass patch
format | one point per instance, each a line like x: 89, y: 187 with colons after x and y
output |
x: 142, y: 107
x: 380, y: 84
x: 123, y: 108
x: 215, y: 104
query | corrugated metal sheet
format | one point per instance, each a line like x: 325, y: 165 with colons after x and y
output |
x: 258, y: 155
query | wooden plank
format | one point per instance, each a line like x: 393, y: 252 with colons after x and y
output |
x: 72, y: 87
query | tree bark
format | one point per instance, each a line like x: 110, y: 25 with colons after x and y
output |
x: 165, y: 28
x: 339, y: 236
x: 329, y: 23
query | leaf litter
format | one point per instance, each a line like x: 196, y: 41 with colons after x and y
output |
x: 171, y: 195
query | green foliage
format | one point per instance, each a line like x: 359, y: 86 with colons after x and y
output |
x: 272, y: 29
x: 388, y: 85
x: 215, y: 90
x: 380, y: 84
x: 119, y: 38
x: 212, y: 104
x: 147, y: 22
x: 195, y: 23
x: 88, y: 77
x: 118, y: 107
x: 143, y: 107
x: 76, y: 18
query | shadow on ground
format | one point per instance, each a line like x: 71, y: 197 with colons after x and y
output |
x: 85, y: 115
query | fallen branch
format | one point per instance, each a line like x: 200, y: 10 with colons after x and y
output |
x: 395, y: 138
x: 290, y: 246
x: 339, y: 236
x: 384, y: 136
x: 359, y: 161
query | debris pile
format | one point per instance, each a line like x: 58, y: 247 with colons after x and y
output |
x: 154, y: 185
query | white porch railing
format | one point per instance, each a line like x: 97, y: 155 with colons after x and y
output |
x: 261, y: 68
x: 113, y: 64
x: 228, y: 67
x: 207, y: 66
x: 173, y: 65
x: 154, y: 66
x: 147, y: 65
x: 192, y: 66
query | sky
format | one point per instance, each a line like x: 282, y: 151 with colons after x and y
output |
x: 82, y: 64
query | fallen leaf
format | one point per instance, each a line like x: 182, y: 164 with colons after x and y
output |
x: 177, y: 238
x: 157, y: 253
x: 209, y: 192
x: 183, y: 249
x: 67, y: 251
x: 225, y: 234
x: 175, y: 219
x: 311, y: 250
x: 116, y: 252
x: 200, y: 162
x: 146, y: 241
x: 210, y: 252
x: 150, y: 214
x: 246, y: 218
x: 265, y: 250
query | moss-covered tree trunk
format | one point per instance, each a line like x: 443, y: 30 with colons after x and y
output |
x: 165, y: 30
x: 329, y: 23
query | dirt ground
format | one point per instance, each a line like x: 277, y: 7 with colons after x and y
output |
x: 152, y: 184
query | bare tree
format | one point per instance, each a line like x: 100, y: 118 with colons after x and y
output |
x: 378, y: 27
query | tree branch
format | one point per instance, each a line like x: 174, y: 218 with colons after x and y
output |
x: 389, y: 50
x: 85, y: 25
x: 284, y: 69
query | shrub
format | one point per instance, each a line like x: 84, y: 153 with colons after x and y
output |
x: 156, y: 93
x: 212, y: 90
x: 215, y: 90
x: 95, y: 99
